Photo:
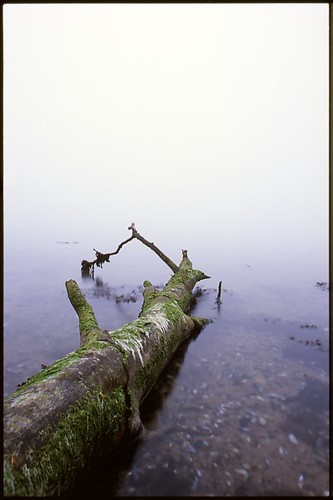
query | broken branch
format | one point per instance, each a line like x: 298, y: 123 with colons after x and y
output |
x: 101, y: 258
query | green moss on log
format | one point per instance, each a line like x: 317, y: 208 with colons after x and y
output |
x: 87, y: 319
x: 167, y: 344
x: 59, y: 365
x: 82, y: 436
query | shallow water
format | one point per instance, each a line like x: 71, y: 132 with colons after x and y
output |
x: 242, y: 409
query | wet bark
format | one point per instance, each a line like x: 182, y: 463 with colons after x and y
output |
x: 68, y: 416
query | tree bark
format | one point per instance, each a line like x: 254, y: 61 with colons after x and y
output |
x: 85, y: 405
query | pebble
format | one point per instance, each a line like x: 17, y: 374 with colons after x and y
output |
x: 204, y: 429
x: 262, y: 421
x: 293, y: 439
x: 190, y: 449
x: 278, y: 396
x: 242, y: 472
x: 196, y: 480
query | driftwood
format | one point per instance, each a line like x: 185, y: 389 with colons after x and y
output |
x: 85, y: 405
x: 101, y: 258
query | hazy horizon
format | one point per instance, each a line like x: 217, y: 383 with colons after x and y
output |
x: 206, y: 124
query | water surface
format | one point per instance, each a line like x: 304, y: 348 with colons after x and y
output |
x: 242, y: 409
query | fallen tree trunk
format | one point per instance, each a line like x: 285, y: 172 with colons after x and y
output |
x: 68, y: 416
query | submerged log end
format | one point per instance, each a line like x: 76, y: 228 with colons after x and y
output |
x: 87, y: 320
x: 200, y: 323
x: 86, y: 265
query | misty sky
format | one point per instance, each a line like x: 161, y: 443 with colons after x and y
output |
x: 210, y: 120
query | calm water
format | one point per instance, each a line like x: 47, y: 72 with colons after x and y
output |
x: 242, y: 409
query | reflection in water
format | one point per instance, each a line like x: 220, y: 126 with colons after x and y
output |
x: 164, y: 386
x: 116, y: 294
x: 236, y: 416
x: 116, y: 468
x: 87, y: 273
x: 99, y: 282
x: 242, y: 409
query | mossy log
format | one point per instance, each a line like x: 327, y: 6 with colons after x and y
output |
x: 64, y: 419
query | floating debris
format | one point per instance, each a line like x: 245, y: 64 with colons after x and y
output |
x: 68, y: 242
x: 322, y: 285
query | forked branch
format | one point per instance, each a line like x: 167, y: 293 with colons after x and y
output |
x: 101, y: 258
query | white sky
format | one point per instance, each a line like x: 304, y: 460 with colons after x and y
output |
x: 211, y: 119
